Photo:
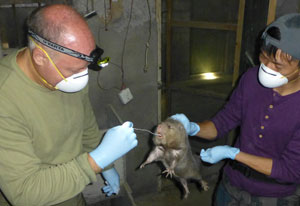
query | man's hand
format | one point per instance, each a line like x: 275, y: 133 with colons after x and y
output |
x: 112, y: 180
x: 116, y: 142
x: 218, y: 153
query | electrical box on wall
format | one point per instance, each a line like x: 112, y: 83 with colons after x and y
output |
x: 125, y: 96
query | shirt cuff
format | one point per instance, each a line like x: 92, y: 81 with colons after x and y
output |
x: 84, y: 164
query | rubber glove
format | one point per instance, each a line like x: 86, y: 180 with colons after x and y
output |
x: 191, y: 127
x: 116, y: 142
x: 217, y: 153
x: 112, y: 182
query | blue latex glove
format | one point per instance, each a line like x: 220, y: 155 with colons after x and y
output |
x: 217, y: 153
x: 191, y: 127
x: 116, y: 142
x: 112, y: 182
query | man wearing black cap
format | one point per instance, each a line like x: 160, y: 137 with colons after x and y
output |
x: 265, y: 161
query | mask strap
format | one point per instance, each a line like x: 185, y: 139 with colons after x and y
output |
x: 62, y: 76
x: 47, y: 82
x: 41, y: 76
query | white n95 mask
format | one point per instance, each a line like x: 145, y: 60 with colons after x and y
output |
x: 270, y: 78
x: 74, y: 83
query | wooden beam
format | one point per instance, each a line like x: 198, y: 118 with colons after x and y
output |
x: 8, y: 2
x: 168, y: 58
x: 238, y: 42
x: 169, y: 41
x: 271, y: 11
x: 205, y: 25
x: 159, y: 61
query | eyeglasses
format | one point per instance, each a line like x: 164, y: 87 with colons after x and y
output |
x: 96, y: 62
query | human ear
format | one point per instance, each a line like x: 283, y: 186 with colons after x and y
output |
x: 38, y: 57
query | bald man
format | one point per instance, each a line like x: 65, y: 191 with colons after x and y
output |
x: 49, y: 137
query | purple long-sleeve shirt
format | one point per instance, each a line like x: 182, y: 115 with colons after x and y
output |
x: 270, y: 127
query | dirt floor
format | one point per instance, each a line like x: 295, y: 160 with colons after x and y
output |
x: 171, y: 195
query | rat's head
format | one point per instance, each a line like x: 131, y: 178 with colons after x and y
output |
x: 171, y: 133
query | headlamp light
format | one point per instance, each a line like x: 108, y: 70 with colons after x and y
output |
x: 96, y: 63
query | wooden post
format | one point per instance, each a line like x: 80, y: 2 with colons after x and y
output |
x: 169, y: 41
x: 1, y: 53
x: 271, y: 11
x: 158, y: 24
x: 168, y: 59
x: 238, y: 41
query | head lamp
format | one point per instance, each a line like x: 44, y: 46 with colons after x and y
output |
x: 96, y: 62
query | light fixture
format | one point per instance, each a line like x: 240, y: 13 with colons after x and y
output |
x: 209, y: 76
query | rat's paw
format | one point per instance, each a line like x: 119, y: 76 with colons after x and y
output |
x: 142, y: 165
x: 177, y: 153
x: 204, y: 185
x: 186, y: 194
x: 170, y: 172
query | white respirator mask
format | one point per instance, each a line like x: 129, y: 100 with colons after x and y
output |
x: 270, y: 78
x: 74, y: 83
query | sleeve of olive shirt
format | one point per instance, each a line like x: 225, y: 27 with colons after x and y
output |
x: 92, y: 135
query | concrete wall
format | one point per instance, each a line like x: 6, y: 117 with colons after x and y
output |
x: 105, y: 85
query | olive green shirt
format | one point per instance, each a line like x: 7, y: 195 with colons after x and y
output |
x: 44, y: 139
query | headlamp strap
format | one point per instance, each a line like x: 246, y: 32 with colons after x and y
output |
x: 60, y: 48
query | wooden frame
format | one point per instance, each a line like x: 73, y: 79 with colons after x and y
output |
x: 7, y: 2
x: 238, y: 42
x: 238, y: 27
x: 271, y: 11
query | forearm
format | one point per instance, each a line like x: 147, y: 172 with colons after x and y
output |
x: 93, y: 165
x: 260, y: 164
x: 207, y: 130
